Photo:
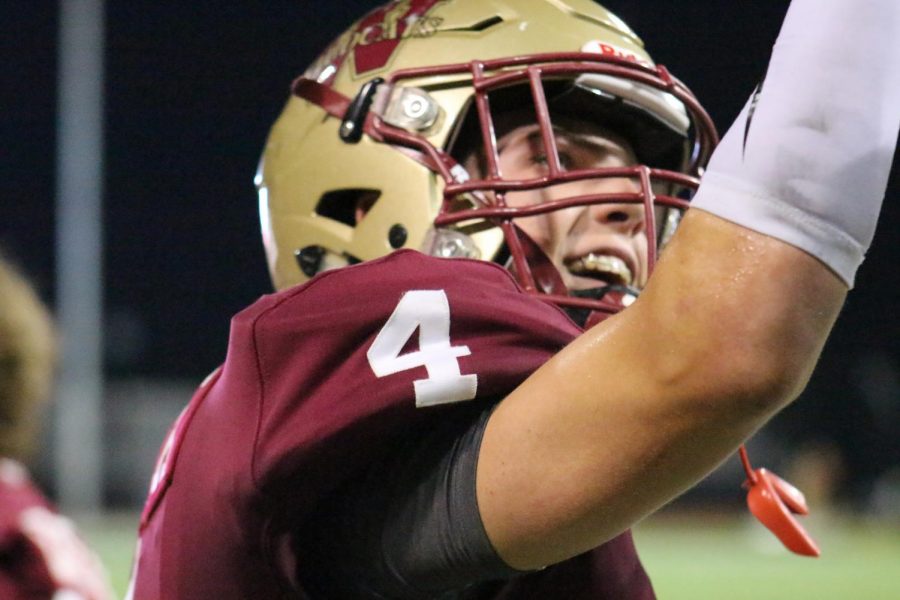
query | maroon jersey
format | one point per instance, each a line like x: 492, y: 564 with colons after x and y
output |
x: 24, y: 574
x: 321, y: 382
x: 41, y: 555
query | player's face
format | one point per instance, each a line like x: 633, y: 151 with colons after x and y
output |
x: 589, y: 245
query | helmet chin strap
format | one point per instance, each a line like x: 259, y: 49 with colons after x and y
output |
x: 614, y: 293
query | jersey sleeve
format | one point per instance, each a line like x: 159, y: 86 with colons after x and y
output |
x: 362, y: 359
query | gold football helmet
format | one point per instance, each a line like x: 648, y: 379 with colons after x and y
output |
x: 366, y: 156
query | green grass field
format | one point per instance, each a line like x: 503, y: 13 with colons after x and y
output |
x: 736, y: 559
x: 696, y: 557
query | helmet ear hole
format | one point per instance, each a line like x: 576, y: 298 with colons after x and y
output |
x: 309, y: 259
x: 347, y: 206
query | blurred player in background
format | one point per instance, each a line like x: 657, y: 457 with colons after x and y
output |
x: 456, y: 198
x: 41, y: 555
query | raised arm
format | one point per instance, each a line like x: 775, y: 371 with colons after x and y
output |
x: 731, y: 324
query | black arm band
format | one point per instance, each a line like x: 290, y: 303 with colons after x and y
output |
x: 412, y: 528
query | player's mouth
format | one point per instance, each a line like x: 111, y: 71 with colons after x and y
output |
x: 606, y: 268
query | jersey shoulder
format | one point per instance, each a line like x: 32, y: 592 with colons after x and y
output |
x: 360, y: 357
x: 345, y: 324
x: 343, y: 298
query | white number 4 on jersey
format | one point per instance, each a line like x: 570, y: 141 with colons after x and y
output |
x: 429, y: 312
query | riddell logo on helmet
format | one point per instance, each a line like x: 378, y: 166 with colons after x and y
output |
x: 374, y: 39
x: 595, y: 47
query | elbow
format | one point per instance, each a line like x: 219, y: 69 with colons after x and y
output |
x: 771, y: 385
x: 754, y: 380
x: 738, y: 368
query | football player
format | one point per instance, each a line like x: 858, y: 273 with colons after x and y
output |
x: 456, y: 197
x: 41, y: 555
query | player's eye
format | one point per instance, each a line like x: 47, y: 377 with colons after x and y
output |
x: 565, y: 160
x: 539, y: 159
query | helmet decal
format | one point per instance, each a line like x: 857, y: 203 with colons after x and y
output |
x: 607, y: 49
x: 374, y: 39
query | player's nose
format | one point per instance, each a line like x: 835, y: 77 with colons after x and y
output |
x: 624, y: 217
x: 627, y: 218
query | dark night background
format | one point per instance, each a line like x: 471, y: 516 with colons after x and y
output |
x: 191, y: 89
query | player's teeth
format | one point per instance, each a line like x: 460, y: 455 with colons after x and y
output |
x: 602, y: 263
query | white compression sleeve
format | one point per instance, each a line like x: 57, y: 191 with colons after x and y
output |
x: 813, y: 168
